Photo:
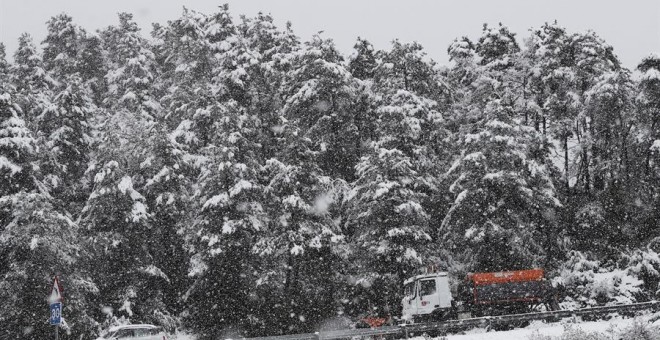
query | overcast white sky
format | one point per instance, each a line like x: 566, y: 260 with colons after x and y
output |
x: 631, y: 26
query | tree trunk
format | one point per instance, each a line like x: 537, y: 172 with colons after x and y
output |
x: 587, y: 176
x: 544, y: 126
x: 566, y: 174
x: 648, y: 150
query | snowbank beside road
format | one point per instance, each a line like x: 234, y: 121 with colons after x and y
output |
x: 610, y: 329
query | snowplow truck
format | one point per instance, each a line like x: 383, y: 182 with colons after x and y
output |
x: 429, y: 298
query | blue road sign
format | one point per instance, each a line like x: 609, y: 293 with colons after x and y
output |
x: 55, y: 313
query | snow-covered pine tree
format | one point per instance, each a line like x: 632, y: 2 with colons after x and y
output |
x: 554, y: 83
x: 407, y: 67
x: 235, y: 63
x: 66, y: 137
x: 649, y: 101
x: 166, y: 181
x: 118, y: 233
x: 362, y: 63
x: 92, y: 67
x: 38, y: 243
x: 62, y: 46
x: 463, y: 71
x: 497, y: 47
x: 32, y: 82
x: 64, y: 125
x: 606, y: 140
x: 322, y: 93
x: 505, y: 201
x: 387, y: 224
x: 17, y: 146
x: 498, y: 53
x: 593, y: 58
x: 647, y: 145
x: 137, y: 238
x: 300, y: 246
x: 274, y: 50
x: 524, y: 80
x: 230, y: 218
x: 184, y: 50
x: 610, y: 106
x: 132, y: 70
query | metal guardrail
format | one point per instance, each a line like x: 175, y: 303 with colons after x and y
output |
x: 458, y: 325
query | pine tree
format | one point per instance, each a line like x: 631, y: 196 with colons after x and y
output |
x: 363, y: 63
x: 387, y: 222
x: 63, y: 46
x: 38, y: 243
x: 273, y: 50
x: 555, y: 87
x: 185, y: 50
x: 498, y: 77
x: 505, y: 201
x: 497, y: 46
x: 165, y: 178
x: 67, y: 139
x: 93, y: 68
x: 65, y: 123
x: 231, y: 217
x: 32, y: 82
x: 593, y: 60
x: 17, y: 146
x: 118, y: 233
x: 407, y: 67
x: 649, y: 101
x: 647, y: 146
x: 320, y: 103
x: 610, y: 106
x: 462, y: 74
x: 133, y: 70
x: 300, y: 246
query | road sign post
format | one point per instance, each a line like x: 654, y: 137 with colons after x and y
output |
x: 55, y: 302
x: 56, y: 316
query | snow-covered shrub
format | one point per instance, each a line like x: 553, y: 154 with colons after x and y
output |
x: 576, y: 333
x: 591, y: 221
x: 571, y: 332
x: 639, y: 330
x: 645, y: 265
x: 538, y: 336
x: 589, y: 282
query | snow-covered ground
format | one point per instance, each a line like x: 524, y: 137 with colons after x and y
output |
x: 616, y: 328
x: 610, y: 329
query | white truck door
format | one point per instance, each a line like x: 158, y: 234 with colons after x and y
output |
x: 410, y: 300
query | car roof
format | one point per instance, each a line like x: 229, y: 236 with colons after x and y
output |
x: 116, y: 328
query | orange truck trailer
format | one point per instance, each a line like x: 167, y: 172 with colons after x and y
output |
x: 507, y: 292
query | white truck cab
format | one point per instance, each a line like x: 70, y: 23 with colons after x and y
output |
x: 427, y: 297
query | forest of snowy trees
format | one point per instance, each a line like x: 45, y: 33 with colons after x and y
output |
x: 222, y: 174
